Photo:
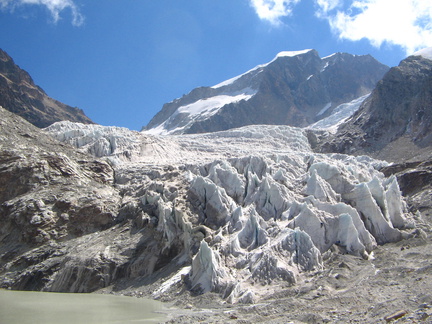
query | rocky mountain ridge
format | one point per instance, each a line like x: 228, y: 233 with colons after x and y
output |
x: 20, y: 95
x: 395, y: 121
x: 296, y: 89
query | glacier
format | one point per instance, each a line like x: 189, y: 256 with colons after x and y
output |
x: 248, y: 207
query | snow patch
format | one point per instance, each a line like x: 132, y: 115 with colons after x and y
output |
x: 325, y: 67
x: 210, y: 106
x: 256, y: 69
x: 338, y: 116
x: 293, y: 53
x: 325, y: 108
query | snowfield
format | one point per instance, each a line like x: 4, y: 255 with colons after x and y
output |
x: 340, y: 114
x: 248, y: 207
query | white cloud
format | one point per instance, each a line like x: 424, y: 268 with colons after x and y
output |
x: 407, y: 23
x: 326, y: 5
x: 273, y: 10
x: 55, y: 7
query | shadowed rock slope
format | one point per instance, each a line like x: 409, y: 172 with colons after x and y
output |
x: 20, y: 95
x: 395, y: 121
x: 49, y: 195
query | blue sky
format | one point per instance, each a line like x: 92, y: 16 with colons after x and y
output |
x: 121, y: 60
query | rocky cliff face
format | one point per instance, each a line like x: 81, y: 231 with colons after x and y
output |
x: 20, y: 95
x: 49, y: 195
x: 395, y: 122
x: 296, y: 88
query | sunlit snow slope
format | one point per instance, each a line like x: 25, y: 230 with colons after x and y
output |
x: 340, y: 114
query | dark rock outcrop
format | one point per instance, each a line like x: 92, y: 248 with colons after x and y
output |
x: 20, y: 95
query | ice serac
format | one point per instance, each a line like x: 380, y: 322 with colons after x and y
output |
x: 295, y: 88
x: 207, y: 274
x: 212, y: 202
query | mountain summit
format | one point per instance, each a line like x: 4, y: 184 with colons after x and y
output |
x: 20, y: 95
x: 295, y: 88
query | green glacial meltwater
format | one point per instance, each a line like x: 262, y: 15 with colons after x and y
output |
x: 39, y: 307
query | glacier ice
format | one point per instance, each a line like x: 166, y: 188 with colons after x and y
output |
x: 206, y: 272
x: 116, y: 142
x: 214, y: 205
x: 248, y: 205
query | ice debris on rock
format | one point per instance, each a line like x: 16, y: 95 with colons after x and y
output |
x: 250, y: 205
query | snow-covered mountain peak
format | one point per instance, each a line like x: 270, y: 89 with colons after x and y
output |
x: 257, y: 69
x: 292, y: 89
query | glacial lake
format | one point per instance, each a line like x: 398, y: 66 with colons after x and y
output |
x: 22, y: 307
